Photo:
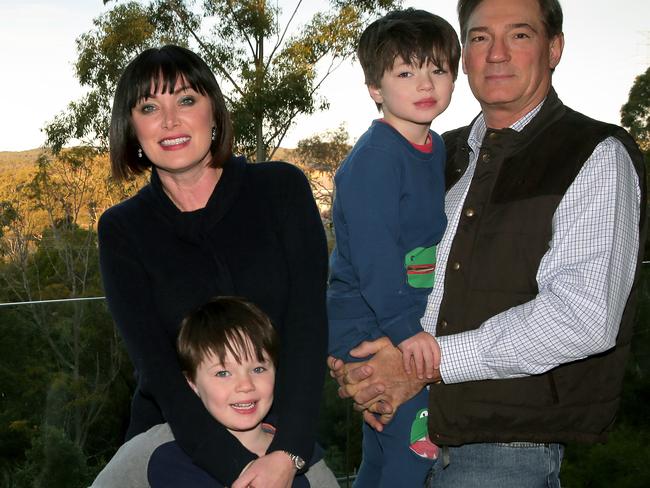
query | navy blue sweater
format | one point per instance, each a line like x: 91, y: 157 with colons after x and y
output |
x: 259, y: 237
x: 389, y: 201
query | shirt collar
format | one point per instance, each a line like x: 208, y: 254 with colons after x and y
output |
x: 476, y: 135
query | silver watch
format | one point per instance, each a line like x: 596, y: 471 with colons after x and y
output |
x: 297, y: 461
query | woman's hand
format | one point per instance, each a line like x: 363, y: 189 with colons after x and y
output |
x: 273, y: 470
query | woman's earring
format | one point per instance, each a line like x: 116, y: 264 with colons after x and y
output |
x: 140, y: 152
x: 214, y: 133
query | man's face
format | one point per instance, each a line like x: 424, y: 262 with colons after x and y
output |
x: 508, y: 58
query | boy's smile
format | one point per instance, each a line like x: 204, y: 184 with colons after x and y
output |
x: 237, y: 394
x: 412, y: 96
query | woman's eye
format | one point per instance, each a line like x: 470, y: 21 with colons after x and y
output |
x: 147, y: 108
x: 187, y: 100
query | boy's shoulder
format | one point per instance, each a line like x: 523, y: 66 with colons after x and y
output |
x: 379, y: 138
x: 382, y: 142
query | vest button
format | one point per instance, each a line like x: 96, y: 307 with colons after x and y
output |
x: 443, y: 324
x: 493, y: 135
x: 469, y: 212
x: 486, y: 157
x: 455, y: 266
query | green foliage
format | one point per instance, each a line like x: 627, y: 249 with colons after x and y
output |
x: 62, y: 367
x: 269, y: 76
x: 635, y: 114
x: 321, y: 155
x: 53, y: 461
x: 339, y: 431
x: 621, y: 462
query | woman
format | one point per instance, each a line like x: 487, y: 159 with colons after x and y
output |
x: 209, y: 224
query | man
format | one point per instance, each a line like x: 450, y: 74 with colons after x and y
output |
x: 536, y: 281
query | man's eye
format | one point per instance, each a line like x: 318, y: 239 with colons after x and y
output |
x: 477, y: 39
x: 521, y: 35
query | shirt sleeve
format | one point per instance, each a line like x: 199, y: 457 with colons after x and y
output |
x: 369, y: 196
x: 153, y: 354
x: 303, y: 338
x: 584, y: 281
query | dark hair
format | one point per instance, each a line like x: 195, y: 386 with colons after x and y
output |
x: 551, y: 16
x: 414, y: 35
x: 225, y: 324
x: 157, y: 70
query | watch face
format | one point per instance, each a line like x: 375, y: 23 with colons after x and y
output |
x: 299, y: 462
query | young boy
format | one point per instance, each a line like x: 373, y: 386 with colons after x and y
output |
x: 388, y: 217
x: 228, y: 350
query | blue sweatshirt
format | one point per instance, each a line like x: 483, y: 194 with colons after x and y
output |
x: 388, y: 214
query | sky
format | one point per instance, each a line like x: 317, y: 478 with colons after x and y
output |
x: 607, y: 44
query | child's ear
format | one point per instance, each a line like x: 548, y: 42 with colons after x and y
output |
x: 191, y: 383
x: 375, y: 94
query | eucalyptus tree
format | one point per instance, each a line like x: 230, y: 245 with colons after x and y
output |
x: 270, y: 68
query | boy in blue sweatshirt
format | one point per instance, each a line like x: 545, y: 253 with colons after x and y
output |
x: 388, y: 217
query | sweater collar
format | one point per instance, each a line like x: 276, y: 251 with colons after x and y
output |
x: 193, y: 225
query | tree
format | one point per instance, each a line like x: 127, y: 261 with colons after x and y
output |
x: 635, y: 114
x: 268, y: 75
x: 321, y: 155
x: 66, y: 357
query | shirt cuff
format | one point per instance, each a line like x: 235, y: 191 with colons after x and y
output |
x: 461, y: 358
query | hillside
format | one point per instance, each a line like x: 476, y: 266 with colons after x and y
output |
x: 16, y: 168
x: 15, y: 160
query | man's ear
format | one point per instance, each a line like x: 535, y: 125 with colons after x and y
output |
x: 556, y: 46
x: 375, y: 94
x: 462, y: 60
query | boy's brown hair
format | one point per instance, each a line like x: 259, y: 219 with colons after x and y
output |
x: 225, y: 324
x: 417, y: 36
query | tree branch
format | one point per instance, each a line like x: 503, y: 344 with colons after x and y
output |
x: 205, y: 48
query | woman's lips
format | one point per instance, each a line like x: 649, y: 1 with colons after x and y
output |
x: 173, y: 143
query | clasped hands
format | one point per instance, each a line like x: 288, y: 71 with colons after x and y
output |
x: 391, y: 376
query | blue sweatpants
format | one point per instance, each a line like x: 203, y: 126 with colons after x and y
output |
x: 390, y: 457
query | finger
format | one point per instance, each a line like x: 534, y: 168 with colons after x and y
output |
x: 343, y: 392
x: 372, y: 421
x: 369, y: 394
x: 386, y: 418
x: 429, y: 362
x: 367, y: 348
x: 381, y: 407
x: 358, y: 374
x: 406, y: 360
x: 334, y: 364
x: 419, y: 363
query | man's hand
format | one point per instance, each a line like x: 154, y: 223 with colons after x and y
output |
x: 274, y: 470
x: 379, y: 385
